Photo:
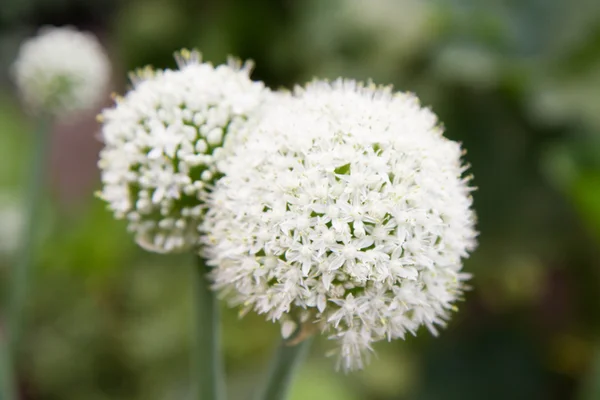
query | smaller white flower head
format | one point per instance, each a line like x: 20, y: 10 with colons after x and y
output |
x: 163, y: 141
x: 346, y: 206
x: 61, y: 71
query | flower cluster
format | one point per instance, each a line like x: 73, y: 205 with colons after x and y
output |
x: 347, y: 207
x: 61, y: 71
x: 163, y: 141
x: 340, y: 206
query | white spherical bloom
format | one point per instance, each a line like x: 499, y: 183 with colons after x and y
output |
x: 61, y: 71
x: 162, y: 144
x: 346, y: 206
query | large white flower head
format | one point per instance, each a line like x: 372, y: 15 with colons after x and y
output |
x: 61, y: 71
x: 163, y: 140
x: 346, y: 207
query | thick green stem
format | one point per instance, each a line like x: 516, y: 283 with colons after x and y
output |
x: 282, y: 369
x: 7, y: 382
x: 19, y: 276
x: 590, y: 385
x: 208, y: 375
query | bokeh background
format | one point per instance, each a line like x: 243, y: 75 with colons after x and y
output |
x: 517, y: 81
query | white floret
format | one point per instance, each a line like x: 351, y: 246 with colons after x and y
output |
x: 347, y: 206
x: 163, y: 142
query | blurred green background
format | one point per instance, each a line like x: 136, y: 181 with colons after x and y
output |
x: 517, y: 81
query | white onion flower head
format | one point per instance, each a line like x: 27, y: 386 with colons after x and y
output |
x: 348, y: 208
x: 61, y: 71
x: 163, y: 141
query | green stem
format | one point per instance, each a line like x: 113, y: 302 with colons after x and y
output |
x: 590, y: 385
x: 19, y: 276
x: 282, y: 369
x: 208, y: 364
x: 7, y: 383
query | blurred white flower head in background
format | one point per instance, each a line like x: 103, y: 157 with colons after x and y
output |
x: 163, y: 141
x: 346, y: 207
x: 61, y: 71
